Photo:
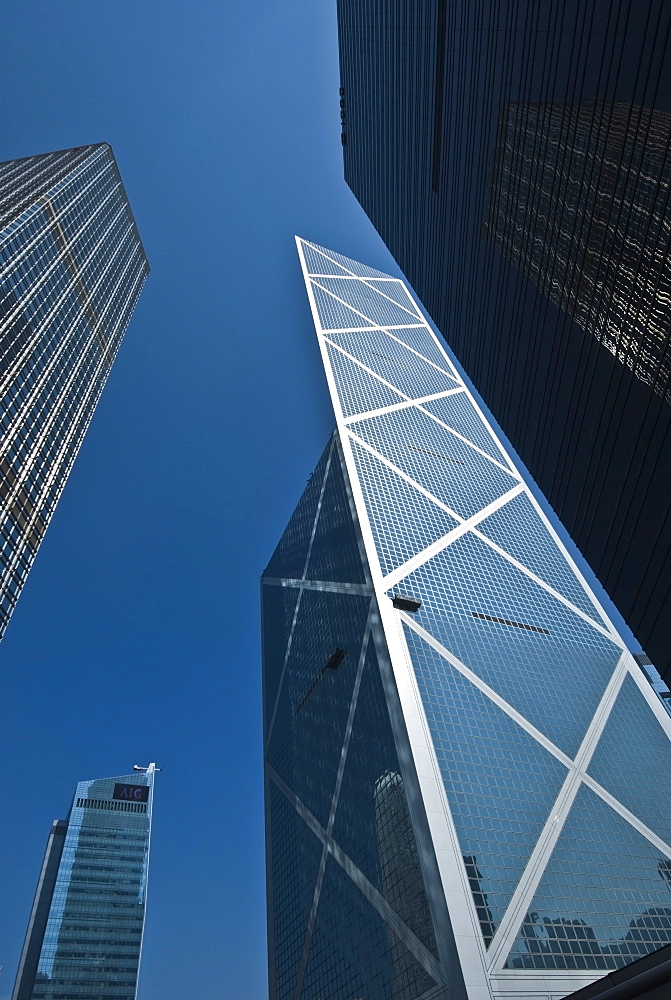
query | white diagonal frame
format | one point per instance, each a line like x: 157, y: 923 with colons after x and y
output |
x: 332, y: 812
x: 608, y: 633
x: 460, y: 902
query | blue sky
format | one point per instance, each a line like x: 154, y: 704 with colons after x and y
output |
x: 137, y: 635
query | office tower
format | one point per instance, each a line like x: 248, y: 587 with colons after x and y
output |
x: 85, y: 931
x: 515, y: 158
x: 574, y: 236
x: 72, y: 266
x: 466, y: 791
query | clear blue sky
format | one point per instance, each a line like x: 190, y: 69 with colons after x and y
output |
x: 137, y: 635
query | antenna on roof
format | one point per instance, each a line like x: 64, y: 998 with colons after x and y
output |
x: 147, y: 770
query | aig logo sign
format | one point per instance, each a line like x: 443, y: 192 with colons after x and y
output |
x: 131, y: 793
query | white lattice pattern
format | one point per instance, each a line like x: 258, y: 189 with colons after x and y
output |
x: 511, y: 676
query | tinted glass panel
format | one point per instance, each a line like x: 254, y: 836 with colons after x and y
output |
x: 604, y: 899
x: 535, y: 671
x: 500, y: 783
x: 436, y: 459
x: 309, y: 729
x: 335, y: 552
x: 372, y: 823
x: 354, y: 953
x: 294, y: 863
x: 290, y: 556
x: 633, y: 760
x: 402, y: 519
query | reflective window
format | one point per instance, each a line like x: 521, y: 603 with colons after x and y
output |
x: 531, y: 670
x: 372, y: 822
x: 604, y: 899
x: 436, y: 459
x: 403, y: 520
x: 331, y: 751
x: 354, y: 953
x: 295, y: 854
x: 500, y: 783
x: 633, y: 760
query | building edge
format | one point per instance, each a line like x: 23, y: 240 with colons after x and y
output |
x: 39, y: 914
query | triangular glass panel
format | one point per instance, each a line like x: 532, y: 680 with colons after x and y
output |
x: 354, y: 953
x: 294, y: 864
x: 633, y: 760
x: 459, y: 413
x: 365, y: 299
x: 421, y: 340
x: 313, y: 704
x: 385, y: 356
x: 604, y: 898
x: 519, y: 530
x: 289, y: 558
x: 397, y: 291
x: 319, y: 263
x: 358, y: 391
x: 526, y: 645
x: 333, y: 315
x: 335, y: 554
x: 361, y: 270
x: 373, y: 825
x: 500, y: 782
x: 437, y: 460
x: 403, y: 520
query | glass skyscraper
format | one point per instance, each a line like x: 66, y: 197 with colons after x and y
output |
x: 72, y: 266
x: 85, y: 931
x: 466, y: 771
x: 579, y: 202
x: 515, y: 157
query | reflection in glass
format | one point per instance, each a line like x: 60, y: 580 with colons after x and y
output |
x: 327, y: 939
x: 604, y: 899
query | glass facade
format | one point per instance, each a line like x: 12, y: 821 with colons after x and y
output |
x: 466, y: 783
x: 348, y: 908
x: 515, y: 157
x: 72, y: 267
x: 575, y: 237
x: 85, y: 933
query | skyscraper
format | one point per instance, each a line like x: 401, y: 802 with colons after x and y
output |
x: 85, y: 931
x: 72, y: 266
x: 573, y: 188
x: 466, y: 769
x: 516, y: 160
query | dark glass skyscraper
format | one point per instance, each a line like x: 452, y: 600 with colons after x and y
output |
x: 85, y: 932
x: 466, y: 769
x: 515, y: 157
x: 596, y: 248
x: 72, y: 267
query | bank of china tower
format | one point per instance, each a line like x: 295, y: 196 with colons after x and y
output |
x: 467, y: 772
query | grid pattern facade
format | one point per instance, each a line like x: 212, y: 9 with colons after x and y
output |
x: 595, y: 241
x: 349, y: 913
x: 72, y: 267
x: 506, y: 702
x: 515, y: 157
x: 90, y: 944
